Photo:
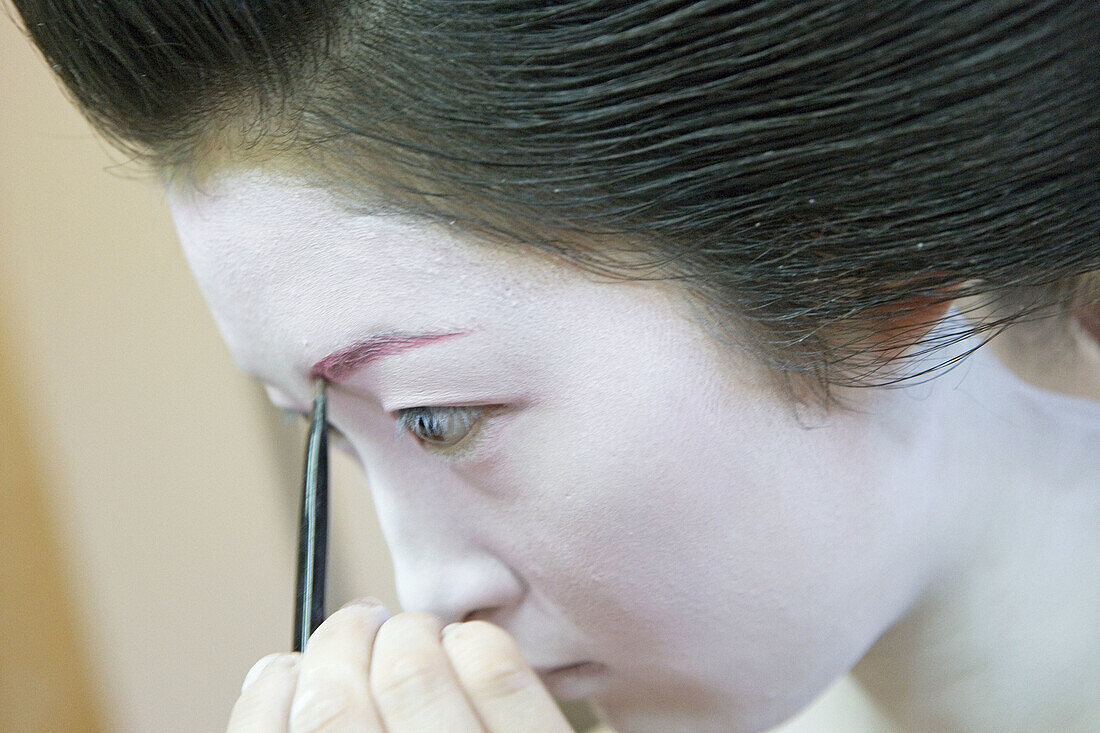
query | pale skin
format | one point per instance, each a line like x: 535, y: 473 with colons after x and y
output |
x: 641, y: 500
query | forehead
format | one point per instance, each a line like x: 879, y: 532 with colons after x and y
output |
x: 285, y: 267
x: 275, y: 231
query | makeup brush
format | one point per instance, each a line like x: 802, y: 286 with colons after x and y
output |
x: 309, y: 608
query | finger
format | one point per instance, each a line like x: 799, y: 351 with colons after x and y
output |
x: 333, y: 689
x: 264, y: 704
x: 412, y: 682
x: 504, y: 690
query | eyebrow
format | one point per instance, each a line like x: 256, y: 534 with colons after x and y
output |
x: 340, y: 364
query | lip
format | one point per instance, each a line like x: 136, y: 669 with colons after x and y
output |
x: 564, y: 668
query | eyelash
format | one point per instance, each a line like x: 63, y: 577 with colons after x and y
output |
x: 407, y: 422
x: 419, y: 420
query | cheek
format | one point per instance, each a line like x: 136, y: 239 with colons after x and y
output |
x: 669, y: 523
x: 618, y: 523
x: 663, y: 524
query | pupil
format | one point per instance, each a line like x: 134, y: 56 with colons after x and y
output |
x: 427, y: 429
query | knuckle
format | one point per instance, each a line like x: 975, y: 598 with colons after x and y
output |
x: 320, y: 714
x: 324, y: 703
x: 495, y: 677
x: 409, y: 682
x: 489, y: 659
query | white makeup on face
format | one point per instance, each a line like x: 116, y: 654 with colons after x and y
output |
x: 628, y: 493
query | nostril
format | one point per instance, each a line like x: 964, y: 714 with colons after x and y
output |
x: 481, y: 614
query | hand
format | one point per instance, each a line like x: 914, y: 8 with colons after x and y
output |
x: 364, y: 670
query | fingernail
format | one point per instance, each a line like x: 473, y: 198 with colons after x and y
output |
x: 258, y: 669
x: 449, y: 628
x: 374, y: 609
x: 366, y: 602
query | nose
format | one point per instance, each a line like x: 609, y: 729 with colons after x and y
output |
x: 455, y: 587
x: 438, y: 545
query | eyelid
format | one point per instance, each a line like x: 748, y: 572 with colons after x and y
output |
x: 466, y: 448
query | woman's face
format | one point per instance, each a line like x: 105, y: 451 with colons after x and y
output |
x: 621, y: 492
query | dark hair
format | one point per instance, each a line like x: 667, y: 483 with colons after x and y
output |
x: 812, y: 171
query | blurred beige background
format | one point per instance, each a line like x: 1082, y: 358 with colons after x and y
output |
x: 149, y: 492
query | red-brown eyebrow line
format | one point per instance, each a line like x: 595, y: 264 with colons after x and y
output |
x: 338, y: 365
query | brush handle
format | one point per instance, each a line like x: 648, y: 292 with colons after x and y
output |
x: 309, y: 608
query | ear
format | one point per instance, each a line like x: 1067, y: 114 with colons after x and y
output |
x: 906, y: 323
x: 1088, y: 318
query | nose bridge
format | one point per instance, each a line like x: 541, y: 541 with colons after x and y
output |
x: 440, y: 563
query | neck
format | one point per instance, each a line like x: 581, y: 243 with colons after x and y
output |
x: 1005, y: 635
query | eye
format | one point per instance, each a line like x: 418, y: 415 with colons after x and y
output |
x: 439, y: 427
